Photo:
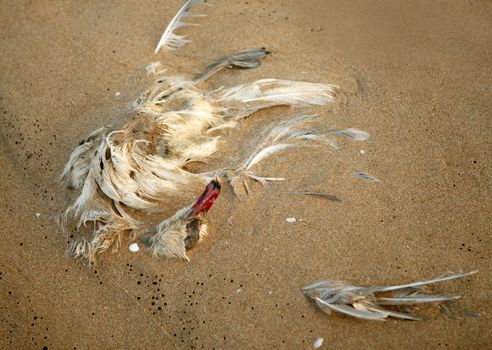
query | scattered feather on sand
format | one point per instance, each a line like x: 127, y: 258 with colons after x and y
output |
x: 369, y: 303
x: 365, y: 177
x: 171, y: 41
x: 350, y: 133
x: 328, y: 196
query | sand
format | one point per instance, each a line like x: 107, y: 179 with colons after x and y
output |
x: 415, y: 74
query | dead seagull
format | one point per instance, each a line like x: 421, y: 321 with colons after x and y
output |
x: 126, y: 174
x: 375, y: 303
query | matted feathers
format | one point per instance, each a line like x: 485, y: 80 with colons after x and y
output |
x: 77, y: 167
x: 126, y: 174
x: 140, y: 167
x: 170, y: 40
x: 168, y: 237
x: 375, y: 303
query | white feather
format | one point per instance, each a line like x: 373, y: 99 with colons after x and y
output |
x: 265, y: 152
x: 264, y: 179
x: 274, y: 92
x: 77, y: 167
x: 201, y: 151
x: 419, y: 284
x: 171, y: 41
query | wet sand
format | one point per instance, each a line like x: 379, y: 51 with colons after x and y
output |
x: 415, y: 74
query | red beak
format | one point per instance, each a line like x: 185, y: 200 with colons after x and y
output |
x: 206, y: 199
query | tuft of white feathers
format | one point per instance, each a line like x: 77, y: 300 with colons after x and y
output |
x: 242, y: 100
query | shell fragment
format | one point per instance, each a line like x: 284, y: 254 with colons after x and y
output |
x: 134, y: 247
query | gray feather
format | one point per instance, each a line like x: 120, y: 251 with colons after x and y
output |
x: 330, y: 197
x: 451, y: 276
x: 367, y: 302
x: 351, y: 133
x: 250, y: 58
x: 365, y: 177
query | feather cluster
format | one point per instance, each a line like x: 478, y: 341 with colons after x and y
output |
x: 127, y: 176
x: 375, y: 303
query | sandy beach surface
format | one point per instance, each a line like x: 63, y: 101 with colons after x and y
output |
x: 415, y: 74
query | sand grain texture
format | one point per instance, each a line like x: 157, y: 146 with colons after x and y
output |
x: 415, y: 74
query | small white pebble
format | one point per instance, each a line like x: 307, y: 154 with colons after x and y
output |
x: 134, y: 247
x: 362, y: 152
x: 117, y: 94
x: 269, y: 292
x: 38, y: 215
x: 318, y: 342
x: 238, y: 290
x: 291, y: 219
